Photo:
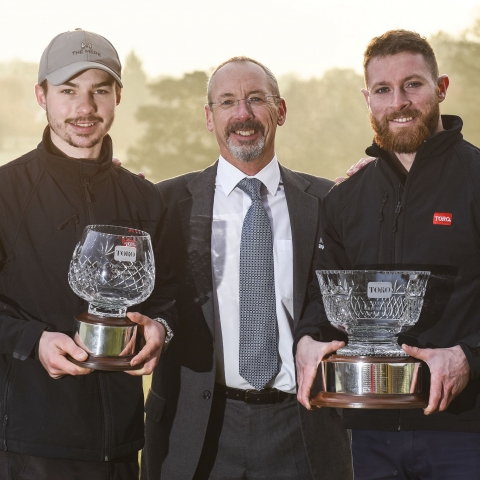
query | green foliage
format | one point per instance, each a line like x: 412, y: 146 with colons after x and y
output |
x: 126, y: 129
x: 160, y: 126
x: 459, y: 58
x: 176, y: 140
x: 21, y: 119
x: 327, y: 127
x: 321, y: 114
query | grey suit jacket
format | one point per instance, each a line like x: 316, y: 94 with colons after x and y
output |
x: 178, y: 405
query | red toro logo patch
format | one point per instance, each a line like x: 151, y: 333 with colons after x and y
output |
x: 129, y: 242
x: 442, y: 219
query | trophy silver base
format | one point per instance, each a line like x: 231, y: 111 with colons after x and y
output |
x: 110, y: 342
x: 371, y: 382
x: 109, y: 364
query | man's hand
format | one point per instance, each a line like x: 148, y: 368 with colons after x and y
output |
x: 309, y: 355
x: 154, y: 335
x: 449, y: 370
x: 355, y: 168
x: 118, y: 163
x: 53, y: 347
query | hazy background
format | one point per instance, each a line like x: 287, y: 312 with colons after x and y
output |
x: 168, y: 50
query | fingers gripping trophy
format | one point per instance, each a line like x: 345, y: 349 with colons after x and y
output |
x: 112, y: 268
x: 372, y: 307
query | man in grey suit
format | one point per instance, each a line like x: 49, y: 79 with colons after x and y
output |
x: 241, y: 241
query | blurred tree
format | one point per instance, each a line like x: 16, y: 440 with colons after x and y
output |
x: 458, y: 57
x: 127, y: 130
x: 327, y: 126
x: 21, y: 119
x: 176, y: 140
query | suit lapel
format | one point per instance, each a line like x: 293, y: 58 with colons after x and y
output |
x: 303, y: 211
x: 196, y: 214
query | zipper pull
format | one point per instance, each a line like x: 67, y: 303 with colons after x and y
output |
x: 384, y: 201
x: 86, y: 184
x: 65, y: 223
x: 398, y: 210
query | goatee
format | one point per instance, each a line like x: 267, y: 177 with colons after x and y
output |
x: 246, y: 150
x: 406, y: 139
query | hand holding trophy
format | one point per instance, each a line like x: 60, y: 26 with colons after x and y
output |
x: 372, y: 307
x: 112, y: 268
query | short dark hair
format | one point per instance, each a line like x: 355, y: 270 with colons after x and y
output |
x: 271, y: 77
x: 399, y: 41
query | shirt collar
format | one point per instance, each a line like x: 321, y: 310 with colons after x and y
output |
x: 228, y: 176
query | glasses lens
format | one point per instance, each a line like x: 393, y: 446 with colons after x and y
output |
x: 256, y: 101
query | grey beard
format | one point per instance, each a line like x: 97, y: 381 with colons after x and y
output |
x: 246, y: 152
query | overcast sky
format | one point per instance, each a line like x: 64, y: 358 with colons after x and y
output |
x: 305, y: 37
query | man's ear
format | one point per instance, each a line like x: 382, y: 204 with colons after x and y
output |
x: 209, y: 118
x: 442, y: 82
x: 366, y: 96
x: 282, y: 111
x: 118, y: 94
x: 41, y: 96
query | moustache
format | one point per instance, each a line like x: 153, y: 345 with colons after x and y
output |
x: 84, y: 120
x: 248, y: 125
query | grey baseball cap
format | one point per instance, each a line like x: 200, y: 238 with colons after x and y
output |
x: 73, y: 52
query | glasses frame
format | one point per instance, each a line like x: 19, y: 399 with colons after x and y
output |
x: 236, y: 102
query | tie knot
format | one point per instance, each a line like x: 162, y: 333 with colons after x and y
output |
x: 251, y: 186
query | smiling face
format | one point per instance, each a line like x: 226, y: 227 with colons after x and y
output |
x: 245, y: 132
x: 403, y: 99
x: 80, y: 112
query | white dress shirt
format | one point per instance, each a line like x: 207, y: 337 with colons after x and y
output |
x: 229, y: 209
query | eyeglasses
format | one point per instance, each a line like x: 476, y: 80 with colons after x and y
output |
x: 253, y: 101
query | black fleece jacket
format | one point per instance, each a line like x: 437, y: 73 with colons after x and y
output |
x: 383, y: 218
x: 45, y: 202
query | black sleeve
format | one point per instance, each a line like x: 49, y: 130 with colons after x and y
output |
x: 161, y: 302
x: 19, y: 332
x: 471, y: 348
x: 330, y: 255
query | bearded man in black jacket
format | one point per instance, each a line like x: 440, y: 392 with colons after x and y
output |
x: 417, y: 206
x: 60, y: 420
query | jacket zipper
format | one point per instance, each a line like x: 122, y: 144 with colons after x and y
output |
x: 5, y: 414
x: 100, y: 375
x: 398, y: 210
x: 106, y: 417
x: 381, y: 239
x: 88, y: 198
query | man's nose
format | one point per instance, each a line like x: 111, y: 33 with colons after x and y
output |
x: 86, y: 104
x: 400, y: 99
x: 244, y: 109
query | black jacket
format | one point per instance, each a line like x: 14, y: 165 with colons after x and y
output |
x: 45, y: 202
x: 383, y: 218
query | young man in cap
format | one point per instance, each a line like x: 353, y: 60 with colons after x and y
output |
x: 60, y: 420
x: 416, y: 207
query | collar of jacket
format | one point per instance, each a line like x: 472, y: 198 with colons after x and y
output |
x: 433, y: 146
x: 72, y: 171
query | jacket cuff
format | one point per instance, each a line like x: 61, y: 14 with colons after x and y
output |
x: 471, y: 348
x: 28, y: 340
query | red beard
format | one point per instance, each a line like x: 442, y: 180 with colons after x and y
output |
x: 406, y: 139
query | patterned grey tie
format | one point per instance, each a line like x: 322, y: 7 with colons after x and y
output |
x: 258, y: 356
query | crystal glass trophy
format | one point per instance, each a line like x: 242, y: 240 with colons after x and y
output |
x: 112, y: 268
x: 372, y: 308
